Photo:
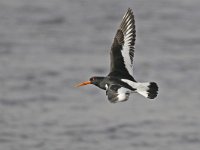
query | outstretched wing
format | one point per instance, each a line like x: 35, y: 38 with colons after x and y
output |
x: 122, y: 50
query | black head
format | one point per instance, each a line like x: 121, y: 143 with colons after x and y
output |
x: 93, y: 80
x: 96, y: 80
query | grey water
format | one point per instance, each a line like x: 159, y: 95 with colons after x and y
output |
x: 47, y: 46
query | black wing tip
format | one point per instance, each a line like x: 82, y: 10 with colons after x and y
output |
x: 130, y: 10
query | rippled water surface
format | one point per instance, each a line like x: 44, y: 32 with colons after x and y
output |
x: 47, y: 46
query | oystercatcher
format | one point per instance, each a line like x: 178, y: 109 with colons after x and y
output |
x: 119, y: 83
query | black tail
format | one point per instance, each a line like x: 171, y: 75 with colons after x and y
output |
x: 153, y: 90
x: 147, y: 89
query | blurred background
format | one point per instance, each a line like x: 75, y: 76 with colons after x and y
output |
x: 47, y: 46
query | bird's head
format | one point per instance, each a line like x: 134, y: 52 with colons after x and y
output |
x: 93, y: 80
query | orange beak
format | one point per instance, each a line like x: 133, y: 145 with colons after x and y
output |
x: 83, y: 83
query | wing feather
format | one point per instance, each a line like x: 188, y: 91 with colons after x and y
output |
x: 117, y: 93
x: 122, y: 50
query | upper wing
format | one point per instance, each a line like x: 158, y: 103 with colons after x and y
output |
x: 122, y: 50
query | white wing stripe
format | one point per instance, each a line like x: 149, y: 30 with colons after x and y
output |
x: 122, y: 94
x: 127, y: 30
x: 129, y: 25
x: 128, y: 34
x: 128, y: 39
x: 127, y: 61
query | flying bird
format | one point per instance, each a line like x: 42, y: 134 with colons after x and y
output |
x: 119, y: 83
